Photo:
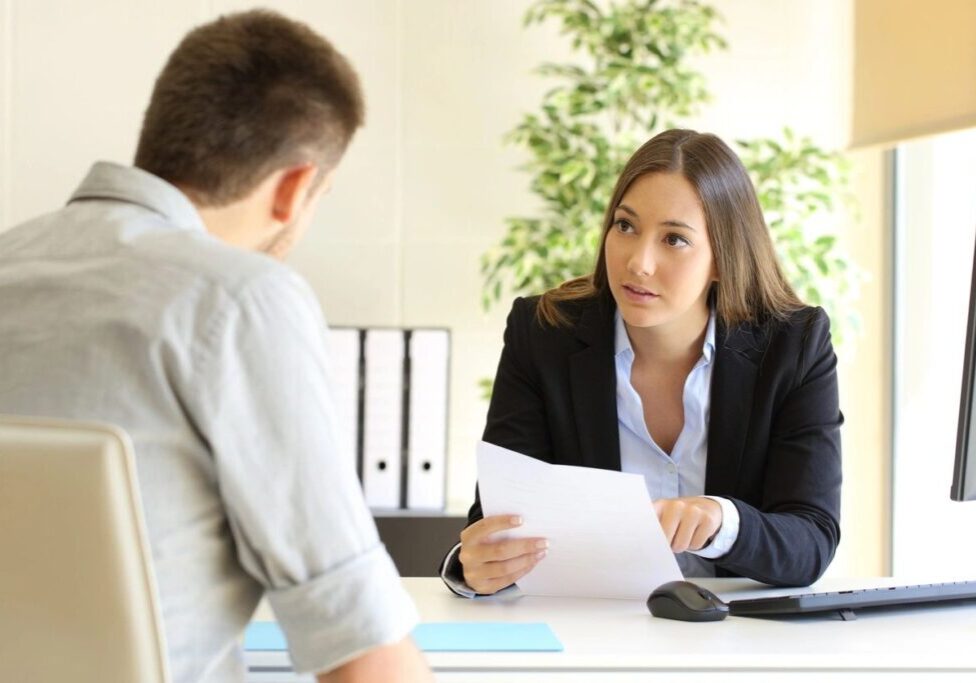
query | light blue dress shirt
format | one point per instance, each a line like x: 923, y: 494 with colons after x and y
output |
x: 682, y: 473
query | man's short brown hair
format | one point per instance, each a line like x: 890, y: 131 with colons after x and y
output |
x: 243, y: 96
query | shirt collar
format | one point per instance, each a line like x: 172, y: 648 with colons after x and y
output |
x: 107, y: 180
x: 622, y: 340
x: 708, y: 347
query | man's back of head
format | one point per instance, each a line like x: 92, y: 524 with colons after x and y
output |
x: 243, y: 96
x: 249, y: 118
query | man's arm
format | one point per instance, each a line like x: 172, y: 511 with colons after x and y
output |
x: 293, y: 503
x: 397, y: 663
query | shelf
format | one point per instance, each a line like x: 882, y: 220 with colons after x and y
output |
x: 417, y: 540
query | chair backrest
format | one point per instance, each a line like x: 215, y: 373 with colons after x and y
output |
x: 77, y: 592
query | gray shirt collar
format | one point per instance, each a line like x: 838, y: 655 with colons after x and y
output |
x: 107, y: 180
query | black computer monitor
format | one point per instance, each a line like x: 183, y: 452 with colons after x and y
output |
x: 964, y: 474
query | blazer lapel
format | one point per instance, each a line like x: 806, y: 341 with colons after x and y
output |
x: 593, y: 385
x: 737, y: 359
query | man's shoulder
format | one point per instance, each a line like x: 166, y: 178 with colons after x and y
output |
x: 118, y: 233
x: 233, y: 283
x: 238, y: 272
x: 140, y: 255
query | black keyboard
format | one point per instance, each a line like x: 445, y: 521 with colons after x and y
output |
x: 846, y: 602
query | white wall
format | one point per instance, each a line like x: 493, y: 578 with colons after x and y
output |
x: 426, y: 186
x: 6, y: 32
x: 788, y: 63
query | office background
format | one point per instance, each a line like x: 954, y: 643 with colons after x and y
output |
x: 426, y: 185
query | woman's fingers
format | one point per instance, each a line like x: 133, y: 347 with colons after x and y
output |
x: 495, y: 585
x: 688, y: 523
x: 669, y: 515
x: 499, y: 551
x: 687, y: 526
x: 491, y: 565
x: 473, y: 554
x: 703, y: 536
x: 493, y: 576
x: 487, y: 526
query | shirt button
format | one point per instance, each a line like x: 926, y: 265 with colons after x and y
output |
x: 671, y: 468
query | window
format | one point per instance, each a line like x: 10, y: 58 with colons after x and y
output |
x: 935, y: 228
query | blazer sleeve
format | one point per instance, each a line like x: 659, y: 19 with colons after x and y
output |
x: 791, y: 537
x: 516, y: 413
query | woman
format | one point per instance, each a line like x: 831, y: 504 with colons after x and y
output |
x: 686, y: 357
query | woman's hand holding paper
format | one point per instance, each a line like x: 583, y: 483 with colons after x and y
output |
x: 490, y: 565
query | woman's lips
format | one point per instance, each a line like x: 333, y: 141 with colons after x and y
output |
x: 639, y: 294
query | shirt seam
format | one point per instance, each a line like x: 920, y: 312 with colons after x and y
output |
x: 219, y: 319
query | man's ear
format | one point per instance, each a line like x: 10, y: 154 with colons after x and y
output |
x: 292, y: 190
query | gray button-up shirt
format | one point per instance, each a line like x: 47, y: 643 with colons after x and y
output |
x: 120, y: 307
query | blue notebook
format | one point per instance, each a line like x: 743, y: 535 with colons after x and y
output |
x: 449, y: 636
x: 264, y: 635
x: 486, y: 636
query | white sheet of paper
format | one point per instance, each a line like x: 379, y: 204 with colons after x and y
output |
x: 604, y: 539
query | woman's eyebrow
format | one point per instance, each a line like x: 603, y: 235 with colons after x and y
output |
x: 671, y: 223
x: 627, y: 209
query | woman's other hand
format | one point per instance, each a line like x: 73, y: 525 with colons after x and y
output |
x: 688, y: 523
x: 491, y: 565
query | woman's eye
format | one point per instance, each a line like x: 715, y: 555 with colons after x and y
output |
x: 674, y: 240
x: 623, y: 225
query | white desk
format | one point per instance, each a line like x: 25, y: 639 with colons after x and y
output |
x: 620, y: 641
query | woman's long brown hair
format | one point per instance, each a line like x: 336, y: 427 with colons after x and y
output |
x: 751, y: 286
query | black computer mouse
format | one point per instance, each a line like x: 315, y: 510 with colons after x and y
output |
x: 686, y: 601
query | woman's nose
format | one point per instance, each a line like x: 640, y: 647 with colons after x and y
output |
x: 642, y: 262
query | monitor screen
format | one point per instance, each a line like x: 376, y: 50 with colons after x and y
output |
x: 964, y: 474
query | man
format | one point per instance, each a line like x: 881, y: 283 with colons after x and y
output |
x: 151, y: 301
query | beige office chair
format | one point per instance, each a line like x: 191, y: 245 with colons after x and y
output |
x: 77, y: 591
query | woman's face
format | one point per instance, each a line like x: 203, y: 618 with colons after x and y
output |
x: 659, y: 259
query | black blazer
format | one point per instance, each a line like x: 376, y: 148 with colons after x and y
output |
x: 773, y: 433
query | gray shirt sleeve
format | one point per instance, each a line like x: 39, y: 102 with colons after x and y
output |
x: 293, y: 501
